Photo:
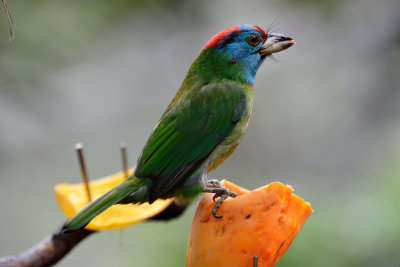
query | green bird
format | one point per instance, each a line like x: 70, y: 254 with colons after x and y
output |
x: 201, y: 127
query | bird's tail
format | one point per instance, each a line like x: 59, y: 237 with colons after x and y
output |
x: 135, y: 189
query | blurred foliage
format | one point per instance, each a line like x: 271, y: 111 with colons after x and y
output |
x: 51, y: 35
x: 358, y: 229
x: 327, y: 6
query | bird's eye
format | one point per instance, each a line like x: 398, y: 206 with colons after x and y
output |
x: 253, y: 39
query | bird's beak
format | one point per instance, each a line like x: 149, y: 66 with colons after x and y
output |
x: 276, y: 42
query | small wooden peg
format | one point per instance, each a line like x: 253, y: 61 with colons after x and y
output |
x: 255, y: 261
x: 124, y: 160
x: 79, y: 151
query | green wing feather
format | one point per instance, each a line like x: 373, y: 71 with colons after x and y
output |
x: 188, y: 132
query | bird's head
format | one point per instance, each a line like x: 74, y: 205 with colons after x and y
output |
x: 245, y: 47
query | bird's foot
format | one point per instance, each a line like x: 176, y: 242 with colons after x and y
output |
x: 214, y: 186
x: 214, y: 183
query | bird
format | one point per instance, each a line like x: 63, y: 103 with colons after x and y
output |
x: 201, y: 127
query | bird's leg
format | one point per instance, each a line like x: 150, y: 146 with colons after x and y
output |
x: 214, y: 186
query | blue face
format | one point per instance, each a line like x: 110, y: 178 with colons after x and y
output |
x: 243, y: 47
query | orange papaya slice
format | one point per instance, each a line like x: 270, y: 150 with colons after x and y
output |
x: 261, y: 223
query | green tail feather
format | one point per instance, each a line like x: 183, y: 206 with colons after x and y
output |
x: 137, y: 190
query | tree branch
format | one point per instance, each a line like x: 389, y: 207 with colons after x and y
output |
x: 4, y: 8
x: 55, y: 246
x: 48, y: 251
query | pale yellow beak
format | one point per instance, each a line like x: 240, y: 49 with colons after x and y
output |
x: 276, y: 42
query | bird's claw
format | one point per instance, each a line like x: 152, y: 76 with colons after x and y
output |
x: 215, y: 196
x: 219, y: 190
x: 214, y: 183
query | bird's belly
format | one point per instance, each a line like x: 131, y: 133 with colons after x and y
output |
x: 229, y: 144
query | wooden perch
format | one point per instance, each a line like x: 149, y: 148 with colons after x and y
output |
x: 55, y: 246
x: 48, y: 251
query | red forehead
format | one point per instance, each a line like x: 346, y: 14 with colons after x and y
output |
x: 213, y: 42
x: 216, y: 39
x: 260, y: 30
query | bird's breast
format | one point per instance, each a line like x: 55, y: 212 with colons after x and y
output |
x: 230, y: 143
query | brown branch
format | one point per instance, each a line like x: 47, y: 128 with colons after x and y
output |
x: 4, y: 8
x: 48, y: 251
x: 55, y: 246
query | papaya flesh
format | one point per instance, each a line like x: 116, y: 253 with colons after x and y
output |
x: 261, y: 223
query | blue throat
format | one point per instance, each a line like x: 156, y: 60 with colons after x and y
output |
x: 250, y: 64
x: 240, y: 52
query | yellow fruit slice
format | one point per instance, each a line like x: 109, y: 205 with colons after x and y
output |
x: 261, y: 223
x: 71, y: 198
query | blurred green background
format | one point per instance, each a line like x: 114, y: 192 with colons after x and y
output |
x: 326, y: 118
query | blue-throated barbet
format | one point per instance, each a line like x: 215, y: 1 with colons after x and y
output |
x: 201, y: 127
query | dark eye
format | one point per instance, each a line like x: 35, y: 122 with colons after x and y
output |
x: 253, y: 39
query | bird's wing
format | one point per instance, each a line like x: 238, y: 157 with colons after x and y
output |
x: 188, y: 133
